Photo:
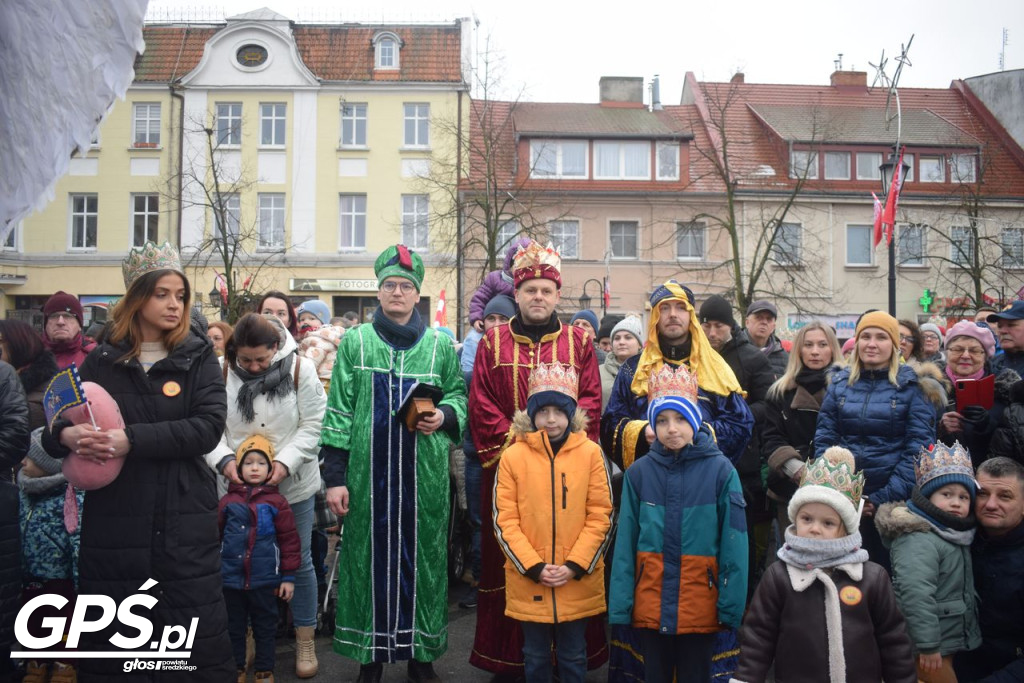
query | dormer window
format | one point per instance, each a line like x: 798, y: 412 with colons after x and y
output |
x: 386, y: 46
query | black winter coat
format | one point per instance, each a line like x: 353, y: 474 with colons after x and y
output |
x: 13, y: 446
x: 158, y: 519
x: 34, y: 379
x: 1008, y: 438
x: 977, y: 437
x: 755, y: 376
x: 787, y: 432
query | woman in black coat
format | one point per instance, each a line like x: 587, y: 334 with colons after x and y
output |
x: 23, y: 348
x: 158, y: 519
x: 14, y: 434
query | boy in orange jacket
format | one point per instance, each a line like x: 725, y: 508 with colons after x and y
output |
x: 552, y: 518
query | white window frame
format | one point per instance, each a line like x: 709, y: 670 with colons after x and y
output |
x: 274, y: 113
x: 356, y: 121
x: 872, y: 166
x: 612, y: 226
x: 352, y: 218
x: 416, y: 120
x: 803, y: 159
x: 908, y: 159
x: 13, y: 241
x: 620, y: 150
x: 228, y: 127
x: 150, y: 216
x: 789, y: 238
x: 957, y: 235
x: 1012, y: 257
x: 387, y: 47
x: 272, y: 221
x: 901, y: 233
x: 233, y: 216
x: 556, y: 148
x: 691, y: 233
x: 563, y: 232
x: 79, y: 221
x: 667, y: 160
x: 869, y: 230
x: 508, y: 232
x: 932, y: 158
x: 836, y: 155
x: 146, y: 126
x: 416, y: 221
x: 963, y: 168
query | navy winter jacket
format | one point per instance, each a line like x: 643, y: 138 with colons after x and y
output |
x: 884, y: 425
x: 260, y: 545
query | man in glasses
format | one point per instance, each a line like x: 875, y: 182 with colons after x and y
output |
x: 390, y: 480
x: 62, y: 333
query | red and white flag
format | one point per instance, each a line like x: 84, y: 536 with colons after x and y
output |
x: 441, y: 318
x: 607, y: 294
x: 892, y: 199
x: 878, y: 220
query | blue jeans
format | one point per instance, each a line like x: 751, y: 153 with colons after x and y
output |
x: 304, y: 599
x: 570, y: 647
x: 474, y: 471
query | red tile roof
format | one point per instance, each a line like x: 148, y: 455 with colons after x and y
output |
x: 593, y: 121
x: 429, y: 53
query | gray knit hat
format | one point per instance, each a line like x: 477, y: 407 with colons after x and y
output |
x: 934, y: 329
x: 39, y: 456
x: 631, y: 324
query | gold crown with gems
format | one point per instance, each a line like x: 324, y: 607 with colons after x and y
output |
x: 554, y: 377
x: 836, y: 469
x: 147, y: 258
x: 940, y: 459
x: 672, y: 381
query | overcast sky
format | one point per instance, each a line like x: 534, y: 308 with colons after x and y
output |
x: 556, y: 51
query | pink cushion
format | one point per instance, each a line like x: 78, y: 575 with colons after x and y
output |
x: 87, y: 474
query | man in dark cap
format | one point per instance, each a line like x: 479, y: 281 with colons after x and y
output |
x: 760, y: 321
x: 1009, y: 325
x: 62, y: 333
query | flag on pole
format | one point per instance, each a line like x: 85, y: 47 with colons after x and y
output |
x: 607, y: 294
x: 222, y: 287
x: 892, y: 199
x: 64, y: 391
x: 878, y: 220
x: 441, y: 318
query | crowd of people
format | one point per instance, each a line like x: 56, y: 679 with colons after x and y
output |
x: 679, y: 499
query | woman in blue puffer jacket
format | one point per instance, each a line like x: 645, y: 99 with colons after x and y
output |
x: 877, y: 409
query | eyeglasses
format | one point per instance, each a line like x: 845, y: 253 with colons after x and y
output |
x: 62, y: 316
x: 931, y: 336
x: 907, y: 338
x: 390, y: 287
x: 961, y: 350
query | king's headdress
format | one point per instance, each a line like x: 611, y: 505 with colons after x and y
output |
x: 832, y: 479
x: 554, y: 377
x: 147, y: 258
x: 671, y: 380
x: 940, y: 464
x: 533, y: 261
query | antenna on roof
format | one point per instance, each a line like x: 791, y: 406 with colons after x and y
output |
x: 1002, y: 51
x: 839, y: 62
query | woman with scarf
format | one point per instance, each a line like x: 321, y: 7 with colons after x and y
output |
x: 275, y: 393
x: 791, y: 412
x: 153, y: 529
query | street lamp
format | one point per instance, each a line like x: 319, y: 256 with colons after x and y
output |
x: 585, y: 300
x: 887, y: 168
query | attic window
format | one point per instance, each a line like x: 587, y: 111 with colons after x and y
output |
x: 386, y: 46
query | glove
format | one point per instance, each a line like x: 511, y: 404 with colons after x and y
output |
x: 977, y: 416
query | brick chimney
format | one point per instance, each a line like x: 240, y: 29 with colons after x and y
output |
x: 622, y: 91
x: 738, y: 77
x: 849, y: 79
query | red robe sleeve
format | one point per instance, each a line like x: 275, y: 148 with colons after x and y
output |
x: 489, y: 422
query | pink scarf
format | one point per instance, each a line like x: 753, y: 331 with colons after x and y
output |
x: 953, y: 378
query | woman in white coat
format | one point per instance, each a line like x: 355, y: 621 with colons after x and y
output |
x: 273, y: 392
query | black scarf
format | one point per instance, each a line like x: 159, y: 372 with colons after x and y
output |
x: 275, y: 382
x: 678, y: 352
x: 535, y: 332
x: 398, y: 335
x: 811, y: 380
x: 919, y: 503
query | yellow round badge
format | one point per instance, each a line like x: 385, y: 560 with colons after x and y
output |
x: 172, y: 389
x: 850, y: 595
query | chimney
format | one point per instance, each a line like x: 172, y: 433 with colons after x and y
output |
x: 738, y: 77
x: 849, y: 79
x: 622, y: 91
x: 656, y: 94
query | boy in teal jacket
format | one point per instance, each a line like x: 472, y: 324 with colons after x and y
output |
x: 679, y: 573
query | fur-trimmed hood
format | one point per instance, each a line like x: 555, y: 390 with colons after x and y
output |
x: 523, y: 425
x: 896, y: 519
x: 1004, y: 386
x: 934, y: 383
x: 39, y: 372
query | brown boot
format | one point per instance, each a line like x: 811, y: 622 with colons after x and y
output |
x: 36, y: 672
x: 63, y: 673
x: 265, y: 676
x: 250, y: 648
x: 241, y: 676
x: 306, y: 665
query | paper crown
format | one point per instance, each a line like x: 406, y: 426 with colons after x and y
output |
x: 534, y: 261
x: 836, y: 469
x: 147, y: 258
x: 940, y: 460
x: 554, y: 377
x: 672, y: 381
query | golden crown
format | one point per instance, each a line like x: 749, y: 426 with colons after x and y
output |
x: 941, y: 459
x: 535, y: 256
x: 836, y: 469
x: 554, y: 377
x: 147, y: 258
x: 672, y: 381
